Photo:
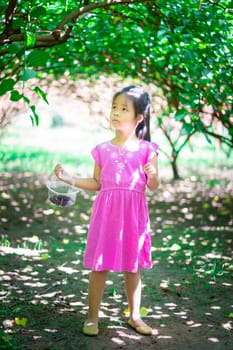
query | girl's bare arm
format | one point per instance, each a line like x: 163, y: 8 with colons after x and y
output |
x: 89, y: 184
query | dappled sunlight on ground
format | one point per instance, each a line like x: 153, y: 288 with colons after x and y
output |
x: 187, y: 295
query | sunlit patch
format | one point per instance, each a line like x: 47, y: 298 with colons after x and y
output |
x: 171, y: 306
x: 214, y: 340
x: 60, y: 250
x: 5, y: 195
x: 49, y: 330
x: 34, y: 239
x: 181, y: 313
x: 48, y: 211
x: 164, y: 337
x: 215, y: 307
x: 35, y: 284
x: 47, y: 295
x: 79, y: 229
x: 22, y: 251
x: 228, y: 325
x: 51, y: 270
x: 84, y: 216
x: 193, y: 324
x: 164, y: 285
x: 4, y: 219
x: 118, y: 341
x: 160, y: 315
x: 8, y: 323
x: 66, y: 269
x: 166, y: 194
x: 189, y: 216
x: 123, y: 334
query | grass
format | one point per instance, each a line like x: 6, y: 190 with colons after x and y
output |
x: 39, y: 161
x: 20, y: 152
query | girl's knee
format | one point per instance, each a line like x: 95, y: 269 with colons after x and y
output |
x: 99, y: 274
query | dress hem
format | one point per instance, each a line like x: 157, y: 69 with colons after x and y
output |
x: 120, y: 270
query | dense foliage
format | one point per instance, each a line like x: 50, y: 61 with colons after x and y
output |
x: 184, y: 48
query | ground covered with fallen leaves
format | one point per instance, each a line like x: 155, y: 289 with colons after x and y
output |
x: 187, y: 297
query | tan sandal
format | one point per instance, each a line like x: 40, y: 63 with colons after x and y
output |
x: 90, y: 328
x: 144, y: 330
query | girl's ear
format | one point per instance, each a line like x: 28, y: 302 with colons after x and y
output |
x: 140, y: 118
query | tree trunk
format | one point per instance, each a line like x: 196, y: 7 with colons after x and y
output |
x: 175, y: 170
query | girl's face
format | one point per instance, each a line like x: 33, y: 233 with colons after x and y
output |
x: 122, y: 116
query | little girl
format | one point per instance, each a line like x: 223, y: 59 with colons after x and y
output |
x: 119, y: 232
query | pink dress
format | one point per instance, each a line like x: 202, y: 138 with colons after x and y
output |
x: 119, y: 232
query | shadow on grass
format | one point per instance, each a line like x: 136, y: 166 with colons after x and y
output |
x: 187, y: 294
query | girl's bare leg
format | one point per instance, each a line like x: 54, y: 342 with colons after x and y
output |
x: 133, y: 292
x: 133, y: 288
x: 95, y: 293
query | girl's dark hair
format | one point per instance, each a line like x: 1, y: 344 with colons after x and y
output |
x: 141, y: 103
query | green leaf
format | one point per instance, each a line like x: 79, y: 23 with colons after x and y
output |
x: 37, y: 58
x: 21, y: 321
x: 6, y: 85
x: 199, y: 125
x: 143, y: 311
x: 32, y: 120
x: 113, y: 291
x: 14, y: 48
x: 2, y: 7
x: 15, y: 96
x: 35, y: 115
x: 19, y: 23
x: 180, y: 114
x: 38, y: 11
x: 187, y: 128
x: 28, y: 74
x: 160, y: 121
x: 29, y: 40
x: 26, y: 99
x: 41, y: 93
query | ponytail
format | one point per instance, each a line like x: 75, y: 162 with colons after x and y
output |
x: 143, y: 128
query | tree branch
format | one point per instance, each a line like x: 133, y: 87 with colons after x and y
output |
x: 87, y: 9
x: 223, y: 139
x: 56, y: 37
x: 9, y: 16
x: 185, y: 141
x: 165, y: 131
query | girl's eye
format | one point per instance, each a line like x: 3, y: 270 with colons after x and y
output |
x: 125, y: 109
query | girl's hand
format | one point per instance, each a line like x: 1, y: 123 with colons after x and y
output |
x: 150, y: 170
x: 58, y: 170
x: 61, y: 174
